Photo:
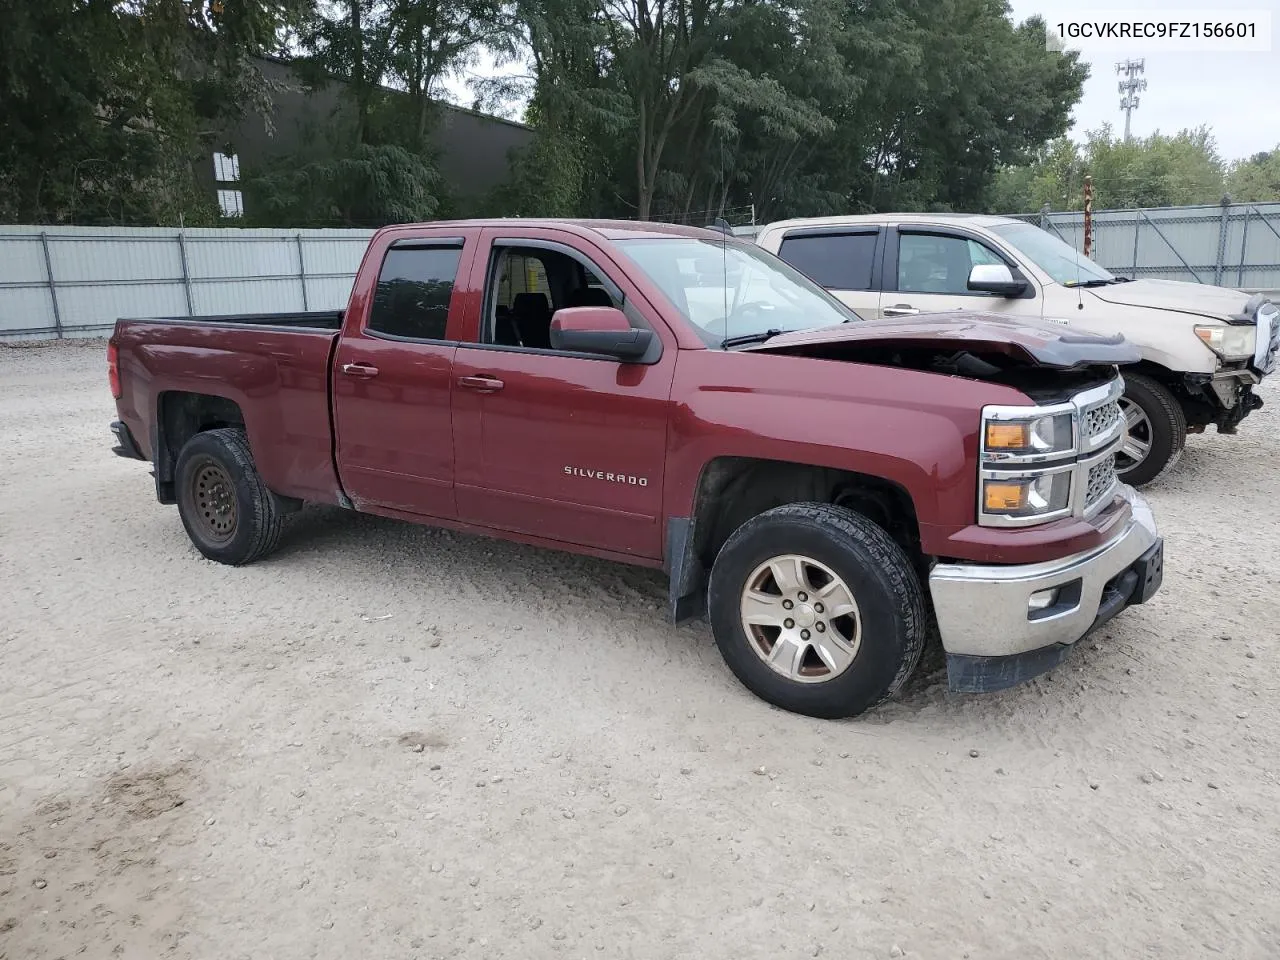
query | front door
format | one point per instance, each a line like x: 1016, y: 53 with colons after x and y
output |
x: 562, y: 446
x: 393, y: 379
x: 926, y: 270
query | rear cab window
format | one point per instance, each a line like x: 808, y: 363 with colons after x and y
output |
x: 838, y: 260
x: 415, y: 288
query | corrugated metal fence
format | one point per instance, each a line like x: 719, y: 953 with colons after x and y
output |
x: 1228, y: 245
x: 77, y: 281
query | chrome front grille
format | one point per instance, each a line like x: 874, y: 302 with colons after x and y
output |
x: 1099, y: 420
x: 1101, y: 478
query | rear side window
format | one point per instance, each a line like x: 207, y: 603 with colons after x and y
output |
x: 414, y: 288
x: 838, y: 261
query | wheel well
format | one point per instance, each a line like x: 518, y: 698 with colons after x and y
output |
x: 1189, y: 390
x: 180, y: 416
x: 1155, y: 371
x: 732, y: 490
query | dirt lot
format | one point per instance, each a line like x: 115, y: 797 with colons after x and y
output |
x: 393, y: 742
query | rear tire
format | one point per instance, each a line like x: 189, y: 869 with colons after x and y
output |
x: 225, y: 506
x: 1155, y: 432
x: 836, y: 659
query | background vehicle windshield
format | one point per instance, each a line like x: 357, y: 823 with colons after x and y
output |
x: 1059, y: 260
x: 734, y: 289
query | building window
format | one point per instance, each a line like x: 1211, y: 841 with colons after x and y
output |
x: 226, y: 167
x: 231, y: 203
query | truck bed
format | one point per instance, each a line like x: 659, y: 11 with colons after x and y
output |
x: 272, y: 367
x: 328, y: 320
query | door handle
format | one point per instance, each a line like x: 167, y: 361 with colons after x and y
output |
x: 900, y: 310
x: 362, y: 370
x: 484, y: 384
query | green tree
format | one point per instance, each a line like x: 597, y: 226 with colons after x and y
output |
x: 1154, y: 171
x: 690, y: 107
x: 106, y: 105
x: 1257, y: 179
x: 375, y: 162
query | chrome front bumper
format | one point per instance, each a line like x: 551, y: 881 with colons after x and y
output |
x: 992, y: 636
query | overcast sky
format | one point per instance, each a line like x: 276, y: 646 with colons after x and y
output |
x: 1235, y: 94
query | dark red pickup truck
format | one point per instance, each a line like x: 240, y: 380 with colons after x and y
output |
x: 822, y: 488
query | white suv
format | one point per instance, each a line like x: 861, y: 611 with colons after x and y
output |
x: 1203, y: 348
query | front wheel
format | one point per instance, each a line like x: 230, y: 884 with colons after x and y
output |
x: 225, y: 506
x: 816, y: 610
x: 1155, y: 430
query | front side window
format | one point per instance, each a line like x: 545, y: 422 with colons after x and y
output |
x: 928, y: 263
x: 414, y: 290
x: 838, y: 261
x: 733, y: 289
x: 528, y: 286
x: 1059, y: 260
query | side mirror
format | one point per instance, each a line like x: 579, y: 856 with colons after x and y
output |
x: 603, y: 330
x: 995, y: 278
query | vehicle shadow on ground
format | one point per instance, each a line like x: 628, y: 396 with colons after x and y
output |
x: 369, y: 542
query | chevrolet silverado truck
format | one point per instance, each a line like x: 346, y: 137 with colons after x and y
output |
x: 823, y: 489
x: 1203, y: 348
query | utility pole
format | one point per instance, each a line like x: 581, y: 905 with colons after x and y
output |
x: 1088, y: 216
x: 1129, y: 88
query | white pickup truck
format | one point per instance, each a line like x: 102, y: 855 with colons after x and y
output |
x: 1203, y: 348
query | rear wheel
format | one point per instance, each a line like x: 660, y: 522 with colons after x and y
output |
x: 225, y: 506
x: 1155, y: 430
x: 816, y: 610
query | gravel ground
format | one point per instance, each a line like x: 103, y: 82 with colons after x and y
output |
x: 389, y: 742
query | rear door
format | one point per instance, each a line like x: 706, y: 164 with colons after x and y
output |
x: 393, y: 375
x: 565, y: 446
x: 926, y: 270
x: 842, y: 259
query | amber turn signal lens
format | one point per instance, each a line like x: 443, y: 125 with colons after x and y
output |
x: 1004, y: 496
x: 1008, y: 436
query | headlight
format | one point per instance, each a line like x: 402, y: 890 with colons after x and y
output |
x: 1025, y: 497
x: 1228, y: 342
x: 1042, y: 436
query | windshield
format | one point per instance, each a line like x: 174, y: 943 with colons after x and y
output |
x: 1059, y: 260
x: 733, y: 289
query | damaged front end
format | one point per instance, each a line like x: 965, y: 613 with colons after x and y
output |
x: 977, y: 346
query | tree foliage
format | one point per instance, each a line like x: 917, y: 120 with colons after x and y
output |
x: 1257, y: 179
x: 1153, y: 171
x: 693, y: 107
x: 652, y: 108
x: 375, y: 162
x: 106, y: 105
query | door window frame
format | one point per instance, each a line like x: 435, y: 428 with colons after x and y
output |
x: 877, y: 255
x: 889, y: 271
x: 495, y: 249
x: 418, y: 243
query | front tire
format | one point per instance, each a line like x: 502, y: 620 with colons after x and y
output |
x: 225, y: 506
x: 816, y: 610
x: 1155, y: 430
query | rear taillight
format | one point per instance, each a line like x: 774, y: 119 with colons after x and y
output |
x: 113, y: 370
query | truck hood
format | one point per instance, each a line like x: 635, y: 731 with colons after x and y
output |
x: 1015, y: 341
x: 1176, y: 296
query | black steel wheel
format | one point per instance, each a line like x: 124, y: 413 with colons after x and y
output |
x: 228, y: 511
